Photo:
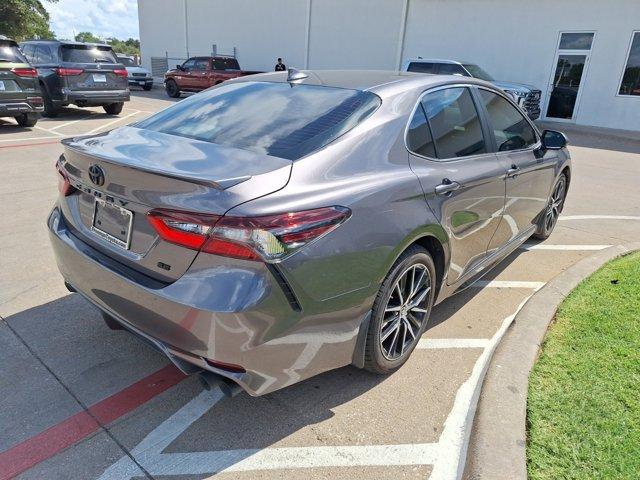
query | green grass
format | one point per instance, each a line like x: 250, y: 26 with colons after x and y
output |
x: 584, y: 392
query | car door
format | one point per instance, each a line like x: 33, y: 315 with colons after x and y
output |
x: 462, y: 179
x: 200, y: 73
x: 185, y: 77
x: 529, y: 174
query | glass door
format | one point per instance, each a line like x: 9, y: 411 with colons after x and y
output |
x: 571, y: 59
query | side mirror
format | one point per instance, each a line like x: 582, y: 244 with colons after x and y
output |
x: 552, y: 140
x: 179, y: 67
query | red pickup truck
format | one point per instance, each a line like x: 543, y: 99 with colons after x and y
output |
x: 200, y: 73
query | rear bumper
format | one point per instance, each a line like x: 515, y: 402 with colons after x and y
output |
x: 94, y: 97
x: 16, y: 107
x: 236, y: 314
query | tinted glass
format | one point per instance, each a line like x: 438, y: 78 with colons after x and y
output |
x: 422, y: 67
x: 272, y: 118
x: 87, y: 54
x: 10, y: 53
x: 510, y: 128
x: 576, y: 41
x: 478, y: 72
x: 43, y: 54
x: 451, y: 69
x: 28, y: 50
x: 454, y: 123
x: 419, y: 136
x: 127, y: 62
x: 201, y: 64
x: 189, y: 63
x: 631, y: 79
x: 225, y: 64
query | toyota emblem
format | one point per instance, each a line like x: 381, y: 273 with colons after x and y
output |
x: 96, y: 175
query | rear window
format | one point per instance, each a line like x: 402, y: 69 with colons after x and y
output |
x: 127, y: 62
x: 225, y: 64
x: 422, y: 67
x: 10, y: 53
x: 87, y: 54
x: 276, y: 119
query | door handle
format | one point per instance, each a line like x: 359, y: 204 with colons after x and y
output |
x: 446, y: 187
x: 513, y: 171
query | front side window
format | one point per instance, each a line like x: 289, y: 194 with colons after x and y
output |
x: 271, y: 118
x: 201, y: 64
x: 422, y: 67
x: 188, y: 65
x: 510, y: 128
x: 87, y: 54
x: 630, y: 84
x: 454, y: 122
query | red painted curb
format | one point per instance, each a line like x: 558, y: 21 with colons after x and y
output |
x: 30, y: 144
x: 53, y: 440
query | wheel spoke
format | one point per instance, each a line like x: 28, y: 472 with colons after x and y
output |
x: 393, y: 309
x: 394, y: 327
x: 420, y: 298
x: 418, y: 309
x: 408, y: 326
x: 394, y: 342
x: 417, y: 286
x: 404, y: 338
x: 400, y: 297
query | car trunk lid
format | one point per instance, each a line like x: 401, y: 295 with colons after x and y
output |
x: 140, y: 170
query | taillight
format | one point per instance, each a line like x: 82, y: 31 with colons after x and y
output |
x: 120, y: 72
x: 68, y: 72
x: 25, y: 72
x: 35, y: 101
x: 269, y: 238
x: 64, y: 186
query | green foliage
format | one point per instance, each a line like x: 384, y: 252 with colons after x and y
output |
x: 87, y: 37
x: 128, y: 47
x: 583, y: 406
x: 24, y: 19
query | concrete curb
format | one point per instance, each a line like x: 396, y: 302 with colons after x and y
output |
x: 497, y: 448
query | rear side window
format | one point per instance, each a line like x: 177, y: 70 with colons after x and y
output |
x: 225, y: 64
x: 43, y: 54
x: 10, y: 53
x: 422, y: 67
x: 451, y: 69
x: 454, y: 122
x: 271, y: 118
x: 419, y: 138
x: 87, y: 54
x: 510, y: 128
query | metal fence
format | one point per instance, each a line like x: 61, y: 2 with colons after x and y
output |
x: 159, y: 65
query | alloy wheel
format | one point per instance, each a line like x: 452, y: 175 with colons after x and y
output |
x: 405, y: 312
x: 556, y: 202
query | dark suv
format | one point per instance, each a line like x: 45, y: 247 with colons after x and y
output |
x: 19, y: 92
x: 83, y: 74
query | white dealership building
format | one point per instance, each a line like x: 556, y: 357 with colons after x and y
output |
x: 582, y: 53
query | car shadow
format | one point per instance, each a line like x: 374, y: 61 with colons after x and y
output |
x: 597, y: 138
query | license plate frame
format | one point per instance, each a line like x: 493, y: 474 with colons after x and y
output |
x: 99, y: 78
x: 124, y: 243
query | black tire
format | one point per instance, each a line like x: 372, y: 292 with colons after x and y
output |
x: 113, y: 108
x: 147, y: 87
x: 555, y: 204
x: 413, y: 262
x: 50, y: 110
x: 27, y: 119
x: 172, y: 88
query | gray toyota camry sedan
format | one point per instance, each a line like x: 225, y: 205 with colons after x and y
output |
x: 281, y: 225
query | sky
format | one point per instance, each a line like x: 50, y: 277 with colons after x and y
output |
x: 105, y: 18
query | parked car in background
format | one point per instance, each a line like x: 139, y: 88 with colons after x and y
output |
x: 526, y: 96
x: 20, y: 96
x: 136, y: 75
x: 200, y: 73
x: 278, y: 226
x: 83, y: 74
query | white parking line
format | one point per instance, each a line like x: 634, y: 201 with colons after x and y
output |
x: 68, y: 123
x: 599, y: 217
x: 26, y: 139
x: 108, y: 124
x: 507, y: 284
x: 48, y: 131
x: 437, y: 343
x: 545, y: 246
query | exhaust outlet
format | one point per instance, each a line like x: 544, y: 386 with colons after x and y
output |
x: 212, y: 380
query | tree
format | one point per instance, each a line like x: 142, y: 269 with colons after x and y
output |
x: 25, y: 19
x: 87, y: 37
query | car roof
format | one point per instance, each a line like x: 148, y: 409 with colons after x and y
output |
x: 439, y: 60
x: 377, y: 81
x: 68, y: 42
x: 7, y: 39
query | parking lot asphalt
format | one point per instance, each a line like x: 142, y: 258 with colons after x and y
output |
x: 81, y: 401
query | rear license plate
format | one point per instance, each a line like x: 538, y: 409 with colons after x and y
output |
x: 99, y: 78
x: 112, y: 223
x: 2, y: 86
x: 141, y: 83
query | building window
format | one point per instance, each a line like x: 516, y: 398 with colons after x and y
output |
x: 630, y: 84
x: 576, y: 41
